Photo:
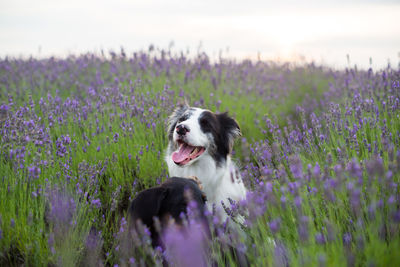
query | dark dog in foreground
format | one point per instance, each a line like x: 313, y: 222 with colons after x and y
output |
x: 166, y: 201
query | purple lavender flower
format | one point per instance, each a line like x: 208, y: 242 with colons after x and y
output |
x: 347, y: 239
x: 298, y: 201
x: 317, y: 170
x: 66, y: 139
x: 93, y: 240
x: 281, y: 257
x: 303, y: 228
x: 320, y: 238
x: 33, y: 171
x: 355, y: 169
x: 50, y: 242
x: 266, y: 171
x: 122, y: 225
x: 96, y: 203
x: 60, y: 146
x: 186, y: 248
x: 274, y: 225
x: 63, y: 209
x: 296, y: 167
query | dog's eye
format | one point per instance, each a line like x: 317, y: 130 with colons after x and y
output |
x: 183, y: 118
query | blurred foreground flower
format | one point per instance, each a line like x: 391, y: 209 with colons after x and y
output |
x: 186, y: 246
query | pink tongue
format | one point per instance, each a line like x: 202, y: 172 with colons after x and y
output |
x: 182, y: 154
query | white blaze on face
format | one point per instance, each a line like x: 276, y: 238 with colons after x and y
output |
x: 194, y: 143
x: 195, y: 136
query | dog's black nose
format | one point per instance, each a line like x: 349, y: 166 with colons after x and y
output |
x: 182, y: 129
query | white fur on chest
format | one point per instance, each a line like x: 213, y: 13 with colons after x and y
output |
x: 219, y: 182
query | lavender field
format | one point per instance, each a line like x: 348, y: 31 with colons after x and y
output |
x: 81, y: 136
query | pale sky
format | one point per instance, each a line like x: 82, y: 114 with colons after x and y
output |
x: 323, y: 31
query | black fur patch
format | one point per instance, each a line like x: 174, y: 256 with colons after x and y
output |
x: 224, y: 130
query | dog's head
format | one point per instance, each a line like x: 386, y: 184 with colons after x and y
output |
x: 194, y: 132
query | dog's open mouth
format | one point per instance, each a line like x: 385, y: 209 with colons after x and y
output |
x: 186, y: 153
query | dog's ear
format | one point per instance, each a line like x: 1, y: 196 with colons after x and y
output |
x: 230, y: 128
x: 176, y: 114
x: 148, y: 204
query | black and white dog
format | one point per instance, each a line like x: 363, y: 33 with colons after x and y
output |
x: 200, y: 144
